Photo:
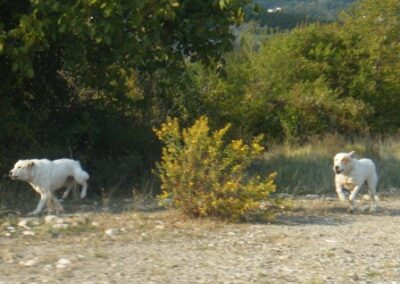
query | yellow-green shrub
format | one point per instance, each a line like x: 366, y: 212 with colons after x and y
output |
x: 204, y: 176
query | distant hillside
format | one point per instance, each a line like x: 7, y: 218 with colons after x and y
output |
x: 287, y: 14
x: 324, y: 10
x: 278, y: 20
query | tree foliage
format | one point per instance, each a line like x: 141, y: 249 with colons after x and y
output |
x: 340, y: 77
x: 79, y: 77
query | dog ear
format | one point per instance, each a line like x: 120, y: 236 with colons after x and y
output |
x: 351, y: 154
x: 31, y: 164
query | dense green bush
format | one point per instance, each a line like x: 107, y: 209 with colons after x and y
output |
x: 80, y: 78
x: 318, y: 79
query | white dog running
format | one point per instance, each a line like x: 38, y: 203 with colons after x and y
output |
x: 47, y: 176
x: 352, y: 174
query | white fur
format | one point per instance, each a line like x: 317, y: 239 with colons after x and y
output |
x: 352, y: 174
x: 47, y: 176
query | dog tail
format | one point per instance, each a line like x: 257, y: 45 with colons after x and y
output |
x: 81, y: 173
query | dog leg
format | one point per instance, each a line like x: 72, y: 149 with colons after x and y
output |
x: 353, y: 196
x: 340, y: 193
x: 67, y: 190
x: 84, y: 189
x: 60, y: 208
x: 81, y: 177
x: 374, y: 201
x: 43, y: 200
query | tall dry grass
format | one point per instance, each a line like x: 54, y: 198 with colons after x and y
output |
x: 308, y: 169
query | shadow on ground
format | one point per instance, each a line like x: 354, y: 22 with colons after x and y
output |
x: 320, y: 212
x: 302, y: 212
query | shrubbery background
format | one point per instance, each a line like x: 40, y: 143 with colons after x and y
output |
x: 91, y: 79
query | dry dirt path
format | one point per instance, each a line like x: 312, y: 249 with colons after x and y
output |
x: 318, y: 242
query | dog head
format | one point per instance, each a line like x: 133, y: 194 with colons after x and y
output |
x: 22, y: 170
x: 342, y: 163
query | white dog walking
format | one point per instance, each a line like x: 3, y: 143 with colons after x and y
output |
x: 47, y: 176
x: 352, y: 174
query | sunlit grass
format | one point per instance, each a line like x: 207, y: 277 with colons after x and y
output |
x: 308, y: 169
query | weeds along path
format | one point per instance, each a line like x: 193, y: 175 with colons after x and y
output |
x: 317, y: 242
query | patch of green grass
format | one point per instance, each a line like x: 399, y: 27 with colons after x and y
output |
x: 48, y: 229
x: 100, y: 254
x: 372, y: 274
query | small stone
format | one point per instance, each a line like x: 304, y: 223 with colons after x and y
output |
x: 24, y: 223
x: 60, y: 221
x: 48, y: 267
x: 51, y: 219
x: 111, y: 232
x: 11, y: 229
x: 63, y: 263
x: 312, y: 196
x: 30, y: 262
x: 60, y: 226
x: 366, y: 197
x: 94, y: 224
x: 330, y: 198
x: 28, y: 233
